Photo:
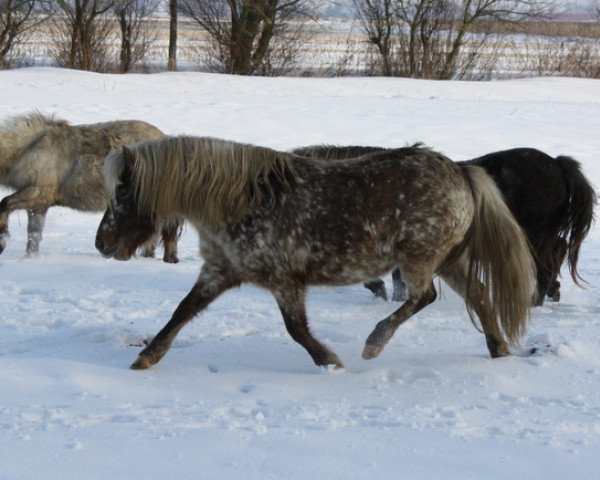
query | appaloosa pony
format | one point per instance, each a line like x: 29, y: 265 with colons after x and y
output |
x: 50, y: 162
x: 549, y: 197
x: 285, y: 222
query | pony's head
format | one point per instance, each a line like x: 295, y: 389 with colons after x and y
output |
x: 123, y: 227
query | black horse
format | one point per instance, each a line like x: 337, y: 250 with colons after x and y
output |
x: 549, y: 197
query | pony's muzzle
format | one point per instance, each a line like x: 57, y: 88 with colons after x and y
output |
x: 105, y: 250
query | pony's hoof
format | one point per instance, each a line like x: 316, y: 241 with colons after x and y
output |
x: 371, y: 351
x: 141, y: 363
x: 170, y: 259
x: 335, y: 368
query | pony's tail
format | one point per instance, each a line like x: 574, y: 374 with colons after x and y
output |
x: 579, y: 216
x: 501, y: 270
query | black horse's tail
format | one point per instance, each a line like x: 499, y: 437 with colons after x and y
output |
x: 579, y: 216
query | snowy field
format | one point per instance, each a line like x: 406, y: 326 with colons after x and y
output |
x: 236, y: 398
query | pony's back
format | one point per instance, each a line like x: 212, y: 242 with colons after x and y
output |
x: 332, y: 152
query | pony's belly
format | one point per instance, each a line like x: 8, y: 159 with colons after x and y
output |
x: 260, y: 259
x: 352, y: 267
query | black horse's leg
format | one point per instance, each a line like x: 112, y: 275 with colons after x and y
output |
x: 35, y: 226
x: 212, y: 282
x: 553, y: 254
x: 170, y: 234
x: 377, y: 286
x: 554, y: 290
x: 399, y: 294
x: 544, y: 279
x: 291, y: 304
x: 560, y: 253
x: 421, y: 293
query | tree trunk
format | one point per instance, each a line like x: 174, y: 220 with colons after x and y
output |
x: 172, y: 61
x: 125, y: 53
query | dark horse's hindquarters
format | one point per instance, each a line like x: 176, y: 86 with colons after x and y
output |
x: 549, y: 197
x: 286, y: 222
x: 552, y: 201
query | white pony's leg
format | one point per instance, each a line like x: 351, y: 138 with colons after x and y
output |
x: 35, y: 228
x: 30, y: 198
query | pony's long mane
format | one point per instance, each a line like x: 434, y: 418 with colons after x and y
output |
x: 205, y: 179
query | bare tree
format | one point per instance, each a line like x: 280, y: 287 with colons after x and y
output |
x: 82, y: 31
x: 172, y: 60
x: 428, y: 38
x: 469, y: 12
x: 243, y: 31
x: 380, y: 23
x: 137, y: 30
x: 17, y: 17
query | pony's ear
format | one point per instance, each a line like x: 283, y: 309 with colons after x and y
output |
x: 128, y: 156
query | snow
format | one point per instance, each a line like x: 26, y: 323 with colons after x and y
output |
x: 236, y: 398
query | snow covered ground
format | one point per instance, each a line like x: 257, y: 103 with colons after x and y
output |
x: 236, y: 398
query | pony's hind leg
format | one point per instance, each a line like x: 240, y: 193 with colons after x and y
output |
x: 554, y: 290
x: 561, y: 251
x: 421, y: 293
x: 455, y: 276
x: 36, y: 218
x: 212, y: 282
x: 291, y: 304
x: 548, y: 258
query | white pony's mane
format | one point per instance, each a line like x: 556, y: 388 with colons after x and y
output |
x: 29, y: 122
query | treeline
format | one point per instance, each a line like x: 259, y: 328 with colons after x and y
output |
x: 434, y: 39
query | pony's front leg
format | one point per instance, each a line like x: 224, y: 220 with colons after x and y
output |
x: 35, y: 228
x: 291, y: 304
x: 211, y: 283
